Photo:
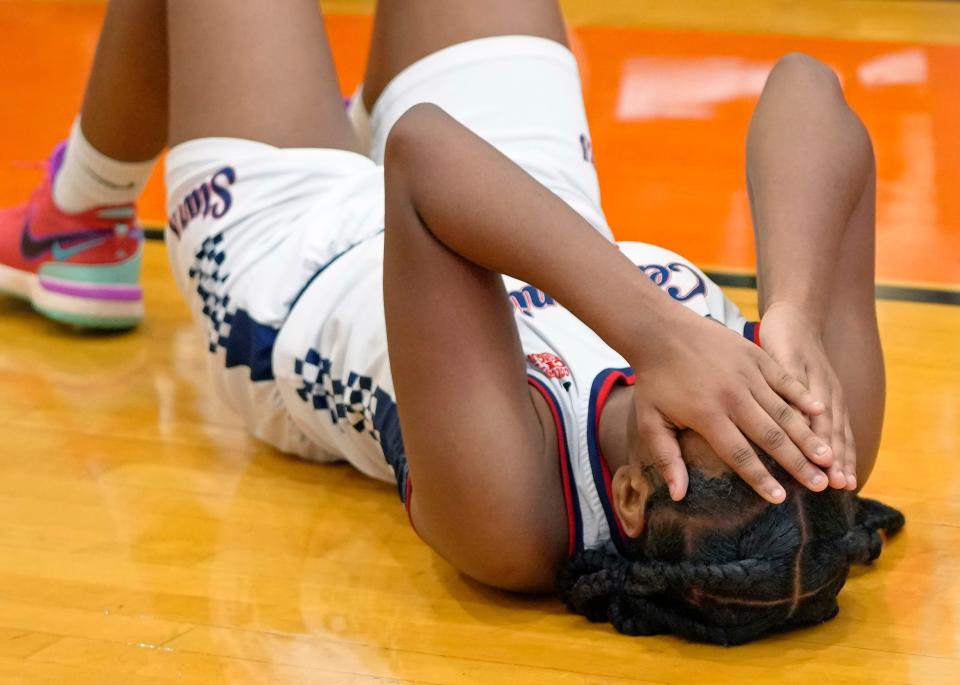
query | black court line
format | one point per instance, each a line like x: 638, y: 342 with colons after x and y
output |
x: 900, y: 293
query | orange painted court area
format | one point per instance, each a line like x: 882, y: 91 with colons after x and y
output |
x: 669, y: 112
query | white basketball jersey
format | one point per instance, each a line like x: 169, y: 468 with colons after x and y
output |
x: 333, y: 372
x: 279, y: 252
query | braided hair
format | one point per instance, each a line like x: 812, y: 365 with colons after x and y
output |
x: 770, y: 568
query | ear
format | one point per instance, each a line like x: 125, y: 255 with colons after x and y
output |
x: 630, y: 500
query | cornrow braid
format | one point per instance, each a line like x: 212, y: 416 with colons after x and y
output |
x: 799, y: 558
x: 864, y: 542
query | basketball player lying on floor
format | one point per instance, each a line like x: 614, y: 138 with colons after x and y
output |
x: 549, y: 417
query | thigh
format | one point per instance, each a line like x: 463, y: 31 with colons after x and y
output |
x: 255, y: 70
x: 522, y: 95
x: 406, y: 31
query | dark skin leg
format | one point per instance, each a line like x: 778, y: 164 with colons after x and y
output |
x: 405, y: 31
x: 231, y: 77
x: 124, y: 113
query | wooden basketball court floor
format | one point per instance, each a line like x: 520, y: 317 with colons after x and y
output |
x: 144, y: 538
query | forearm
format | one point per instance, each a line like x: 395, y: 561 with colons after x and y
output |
x: 489, y: 211
x: 806, y: 170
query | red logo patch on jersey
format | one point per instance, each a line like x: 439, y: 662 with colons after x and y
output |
x: 550, y: 365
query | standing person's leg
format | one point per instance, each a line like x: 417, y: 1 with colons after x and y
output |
x: 123, y: 122
x: 255, y: 70
x: 405, y: 31
x: 73, y: 249
x: 124, y: 113
x: 812, y: 179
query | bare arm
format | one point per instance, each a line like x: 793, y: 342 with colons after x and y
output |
x: 458, y: 214
x: 811, y: 178
x: 485, y: 493
x: 809, y: 161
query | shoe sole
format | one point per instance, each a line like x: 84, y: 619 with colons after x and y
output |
x: 88, y: 305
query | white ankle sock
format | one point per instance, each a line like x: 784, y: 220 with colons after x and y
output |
x: 360, y: 119
x: 88, y: 178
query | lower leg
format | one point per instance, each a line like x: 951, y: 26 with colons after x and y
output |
x: 255, y: 70
x: 123, y: 122
x: 405, y: 31
x: 124, y: 113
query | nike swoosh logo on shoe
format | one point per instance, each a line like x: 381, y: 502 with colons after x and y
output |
x: 31, y: 247
x: 62, y: 254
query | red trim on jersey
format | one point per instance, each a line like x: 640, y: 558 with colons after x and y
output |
x: 568, y: 493
x: 756, y: 334
x: 603, y: 393
x: 408, y: 502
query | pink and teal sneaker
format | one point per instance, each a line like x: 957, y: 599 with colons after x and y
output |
x: 81, y: 269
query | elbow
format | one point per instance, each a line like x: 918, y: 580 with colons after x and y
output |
x: 413, y: 162
x: 531, y: 569
x: 501, y: 549
x: 808, y: 74
x: 818, y: 91
x: 412, y: 136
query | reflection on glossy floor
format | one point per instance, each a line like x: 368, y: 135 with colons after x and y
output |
x: 146, y: 539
